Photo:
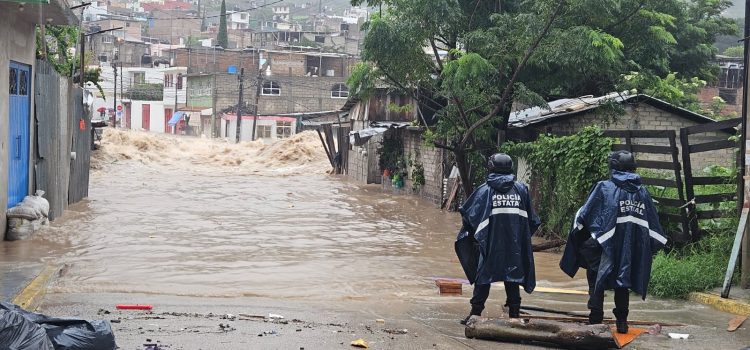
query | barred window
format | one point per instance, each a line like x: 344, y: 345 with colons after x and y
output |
x: 271, y: 88
x: 340, y: 91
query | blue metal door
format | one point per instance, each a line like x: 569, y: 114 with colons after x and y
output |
x: 18, y: 137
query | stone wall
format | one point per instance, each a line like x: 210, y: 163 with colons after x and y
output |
x: 642, y: 116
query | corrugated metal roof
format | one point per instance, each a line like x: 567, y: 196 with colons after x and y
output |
x: 569, y: 106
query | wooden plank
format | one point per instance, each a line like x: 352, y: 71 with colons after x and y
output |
x: 726, y: 124
x: 328, y: 153
x: 650, y: 134
x: 643, y: 148
x: 712, y: 214
x: 712, y: 180
x: 670, y: 202
x: 671, y: 217
x: 715, y: 198
x: 735, y: 253
x: 453, y: 193
x: 689, y: 183
x: 712, y: 146
x: 655, y: 164
x: 659, y: 182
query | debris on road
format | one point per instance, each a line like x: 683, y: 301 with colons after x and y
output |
x: 380, y: 320
x: 133, y: 307
x: 679, y: 336
x: 267, y: 333
x: 655, y: 329
x: 735, y: 323
x: 360, y: 343
x: 275, y: 316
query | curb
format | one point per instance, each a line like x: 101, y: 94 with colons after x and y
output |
x: 717, y: 302
x: 31, y: 296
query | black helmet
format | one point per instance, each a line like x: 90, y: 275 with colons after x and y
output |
x: 622, y: 161
x: 500, y: 163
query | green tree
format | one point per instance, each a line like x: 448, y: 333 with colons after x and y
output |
x: 735, y: 51
x: 56, y: 47
x: 483, y: 56
x: 222, y: 39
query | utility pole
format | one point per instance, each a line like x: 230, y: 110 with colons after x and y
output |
x: 179, y: 77
x: 214, y: 132
x: 114, y: 100
x: 241, y: 77
x: 744, y: 154
x: 258, y: 86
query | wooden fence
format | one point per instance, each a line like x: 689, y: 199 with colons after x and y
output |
x: 693, y: 182
x: 670, y: 149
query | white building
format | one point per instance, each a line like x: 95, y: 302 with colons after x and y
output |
x: 268, y: 128
x: 238, y: 20
x: 147, y: 96
x: 95, y: 11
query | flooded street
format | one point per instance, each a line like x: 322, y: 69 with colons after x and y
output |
x: 197, y: 226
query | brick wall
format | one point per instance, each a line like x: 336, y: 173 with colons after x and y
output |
x: 645, y: 117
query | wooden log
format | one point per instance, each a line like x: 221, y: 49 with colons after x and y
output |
x: 548, y: 245
x: 574, y: 336
x: 579, y: 319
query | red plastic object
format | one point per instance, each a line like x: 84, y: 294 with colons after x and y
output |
x: 133, y: 307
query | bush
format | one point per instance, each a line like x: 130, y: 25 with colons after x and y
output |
x: 696, y: 267
x: 564, y: 170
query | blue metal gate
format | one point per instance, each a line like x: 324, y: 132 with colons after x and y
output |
x: 18, y: 137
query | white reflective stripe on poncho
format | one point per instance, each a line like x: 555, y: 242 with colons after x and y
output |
x: 497, y: 211
x: 640, y: 222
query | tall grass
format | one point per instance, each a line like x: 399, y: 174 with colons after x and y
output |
x: 695, y: 267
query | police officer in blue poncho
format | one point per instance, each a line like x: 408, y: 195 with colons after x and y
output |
x: 494, y: 243
x: 614, y: 237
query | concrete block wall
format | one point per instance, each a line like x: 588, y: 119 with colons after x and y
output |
x: 364, y: 162
x: 298, y: 94
x: 431, y: 159
x: 646, y: 117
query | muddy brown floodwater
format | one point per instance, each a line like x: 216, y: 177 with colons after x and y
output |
x: 196, y: 217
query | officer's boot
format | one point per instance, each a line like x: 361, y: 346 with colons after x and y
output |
x: 514, y: 310
x: 622, y: 320
x: 596, y: 316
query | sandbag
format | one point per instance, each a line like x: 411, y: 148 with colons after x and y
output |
x: 19, y: 229
x: 70, y: 333
x: 23, y: 212
x: 19, y: 333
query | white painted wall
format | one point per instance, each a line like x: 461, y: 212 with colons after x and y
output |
x: 157, y: 115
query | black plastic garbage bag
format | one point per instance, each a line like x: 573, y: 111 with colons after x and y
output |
x: 20, y: 333
x: 70, y: 333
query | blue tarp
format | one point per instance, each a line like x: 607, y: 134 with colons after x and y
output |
x: 176, y: 118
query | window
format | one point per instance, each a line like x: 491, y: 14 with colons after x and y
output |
x: 127, y: 24
x: 320, y: 39
x: 179, y: 81
x: 271, y: 88
x: 139, y: 77
x: 102, y: 58
x: 340, y: 91
x: 13, y: 81
x: 107, y: 39
x: 23, y: 84
x: 168, y: 80
x: 264, y: 131
x: 283, y: 130
x: 243, y: 16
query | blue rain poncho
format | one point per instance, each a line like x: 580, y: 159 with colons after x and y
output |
x: 620, y: 215
x: 494, y: 243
